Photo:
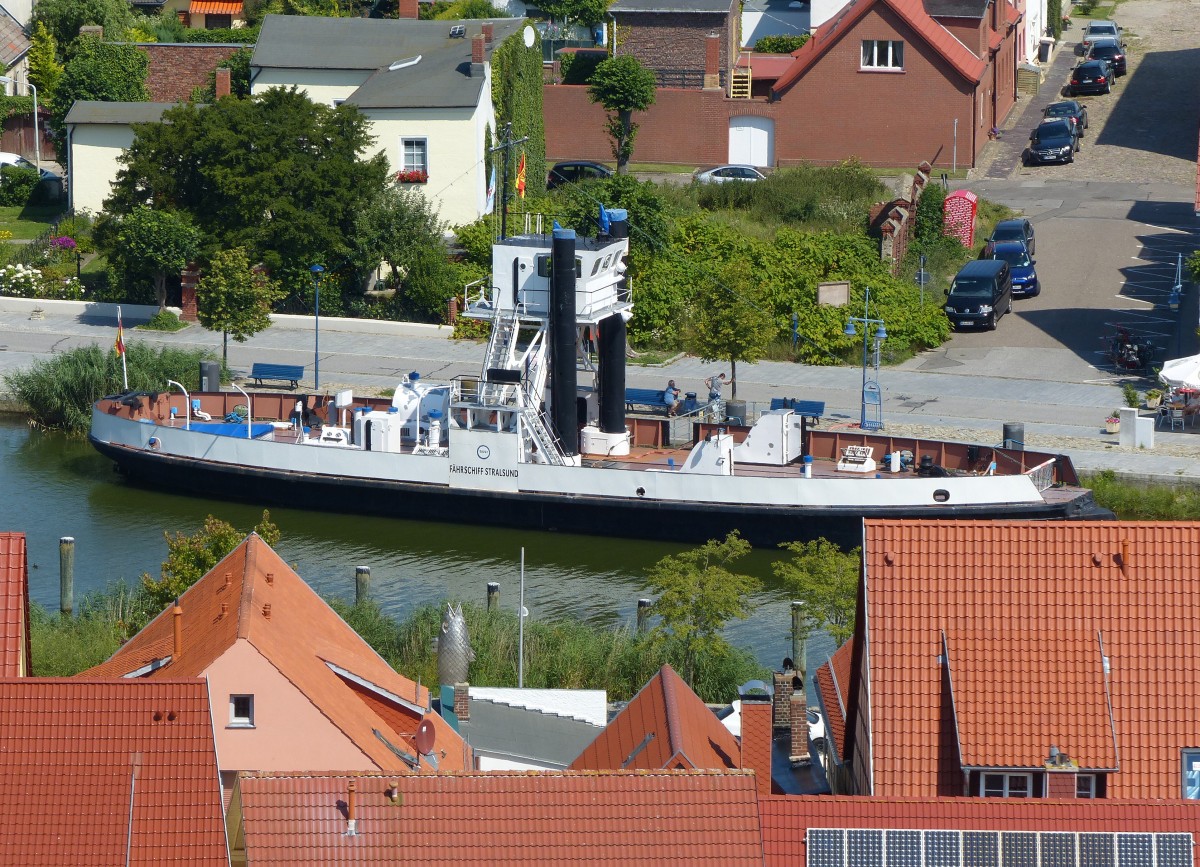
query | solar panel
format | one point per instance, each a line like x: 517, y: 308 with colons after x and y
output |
x: 903, y: 848
x: 458, y: 31
x: 1058, y: 849
x: 1174, y: 850
x: 865, y: 848
x: 1096, y: 850
x: 981, y: 849
x: 826, y: 848
x: 941, y: 848
x: 1020, y: 848
x: 1135, y: 850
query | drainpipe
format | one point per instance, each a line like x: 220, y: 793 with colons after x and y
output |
x: 177, y: 620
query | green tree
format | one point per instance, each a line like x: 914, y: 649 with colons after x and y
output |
x: 275, y: 173
x: 63, y: 18
x: 730, y: 318
x: 825, y: 579
x: 930, y: 209
x: 151, y: 243
x: 234, y: 298
x: 189, y: 558
x: 579, y: 11
x: 102, y: 71
x: 45, y: 71
x: 393, y: 228
x: 697, y: 594
x: 1193, y: 266
x: 238, y: 65
x: 780, y: 43
x: 622, y: 85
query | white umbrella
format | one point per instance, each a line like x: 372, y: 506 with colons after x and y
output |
x: 1181, y: 372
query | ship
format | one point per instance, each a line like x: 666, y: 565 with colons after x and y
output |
x: 543, y: 438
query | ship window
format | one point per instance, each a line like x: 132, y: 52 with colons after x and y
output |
x: 595, y: 267
x: 545, y: 266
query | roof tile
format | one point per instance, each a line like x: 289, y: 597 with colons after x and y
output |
x: 14, y: 606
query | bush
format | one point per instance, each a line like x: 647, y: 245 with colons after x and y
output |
x: 577, y: 67
x: 780, y: 44
x: 164, y: 320
x: 1140, y: 501
x: 17, y: 186
x: 930, y: 210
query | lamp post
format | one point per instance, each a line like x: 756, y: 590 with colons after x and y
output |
x: 37, y: 142
x: 317, y: 271
x: 870, y: 387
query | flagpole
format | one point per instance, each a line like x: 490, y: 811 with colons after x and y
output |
x: 521, y: 629
x: 121, y: 348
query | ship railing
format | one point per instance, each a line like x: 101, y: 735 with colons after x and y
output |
x: 1042, y: 475
x: 471, y: 390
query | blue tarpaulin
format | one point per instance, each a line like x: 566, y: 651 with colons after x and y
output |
x: 225, y: 429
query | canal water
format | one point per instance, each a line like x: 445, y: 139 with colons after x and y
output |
x: 55, y: 486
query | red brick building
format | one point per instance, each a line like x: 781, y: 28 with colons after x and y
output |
x: 891, y: 82
x: 674, y: 37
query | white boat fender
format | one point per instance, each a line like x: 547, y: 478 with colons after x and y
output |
x: 808, y: 466
x: 894, y: 458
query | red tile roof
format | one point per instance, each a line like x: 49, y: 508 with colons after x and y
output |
x: 911, y: 12
x: 833, y: 683
x: 666, y: 725
x: 14, y: 606
x: 658, y: 817
x: 254, y: 596
x: 74, y: 756
x: 1004, y: 593
x: 786, y: 820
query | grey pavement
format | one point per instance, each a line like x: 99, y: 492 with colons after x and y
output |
x: 949, y: 393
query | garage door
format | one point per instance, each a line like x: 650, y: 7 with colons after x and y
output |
x: 752, y: 140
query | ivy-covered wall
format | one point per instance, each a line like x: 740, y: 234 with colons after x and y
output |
x: 517, y: 94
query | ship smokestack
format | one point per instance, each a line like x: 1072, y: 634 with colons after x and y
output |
x: 611, y: 345
x: 563, y: 380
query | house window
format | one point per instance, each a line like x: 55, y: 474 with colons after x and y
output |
x: 1191, y: 774
x: 241, y: 711
x: 1006, y: 786
x: 414, y: 152
x: 1085, y: 786
x: 882, y: 54
x: 218, y: 22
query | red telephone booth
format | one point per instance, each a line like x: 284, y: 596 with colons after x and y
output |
x: 958, y: 217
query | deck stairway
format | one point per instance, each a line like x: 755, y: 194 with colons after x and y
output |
x: 535, y: 433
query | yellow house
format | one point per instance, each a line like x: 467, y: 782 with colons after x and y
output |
x: 97, y: 134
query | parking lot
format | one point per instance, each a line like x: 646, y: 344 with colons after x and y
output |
x: 1111, y: 225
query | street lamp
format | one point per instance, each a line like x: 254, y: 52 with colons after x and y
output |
x: 37, y: 140
x: 870, y: 387
x: 317, y: 271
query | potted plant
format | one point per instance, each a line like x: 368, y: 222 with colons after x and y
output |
x: 1154, y: 398
x: 1112, y: 424
x: 412, y: 176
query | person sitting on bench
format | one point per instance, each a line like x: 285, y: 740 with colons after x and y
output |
x: 671, y: 397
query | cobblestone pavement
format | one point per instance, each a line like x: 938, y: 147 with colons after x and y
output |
x: 1146, y: 128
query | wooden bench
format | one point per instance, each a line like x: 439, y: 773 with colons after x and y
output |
x: 651, y: 398
x: 857, y: 459
x: 292, y: 373
x: 812, y: 410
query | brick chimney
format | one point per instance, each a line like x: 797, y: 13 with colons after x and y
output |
x: 756, y: 740
x: 407, y: 9
x: 712, y: 62
x: 223, y: 85
x: 477, y: 48
x: 781, y: 705
x: 799, y: 745
x: 1061, y: 772
x: 462, y: 701
x: 488, y: 32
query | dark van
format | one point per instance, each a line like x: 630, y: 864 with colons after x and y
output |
x: 980, y: 293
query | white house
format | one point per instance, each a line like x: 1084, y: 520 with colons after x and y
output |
x: 425, y: 86
x: 97, y: 134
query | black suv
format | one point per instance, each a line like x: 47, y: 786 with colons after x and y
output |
x: 576, y: 170
x: 1053, y: 141
x: 1110, y: 50
x: 1069, y: 108
x: 1091, y: 76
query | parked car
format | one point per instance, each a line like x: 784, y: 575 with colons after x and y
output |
x: 980, y: 294
x: 10, y: 159
x: 1110, y: 50
x: 1099, y: 29
x: 1069, y: 108
x: 1020, y: 264
x: 573, y: 171
x: 1052, y: 141
x: 1091, y: 76
x: 1018, y: 229
x: 723, y: 174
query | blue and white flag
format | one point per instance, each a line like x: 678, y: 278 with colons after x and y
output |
x: 491, y: 193
x: 604, y: 224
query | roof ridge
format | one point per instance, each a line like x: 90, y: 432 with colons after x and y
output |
x: 671, y: 706
x: 249, y: 571
x: 486, y: 775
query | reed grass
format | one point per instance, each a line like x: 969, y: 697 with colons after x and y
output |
x: 1143, y: 501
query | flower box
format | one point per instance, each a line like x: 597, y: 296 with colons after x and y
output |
x: 413, y: 176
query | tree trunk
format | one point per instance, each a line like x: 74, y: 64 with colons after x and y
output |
x: 225, y: 347
x: 160, y: 290
x: 626, y: 118
x: 733, y: 379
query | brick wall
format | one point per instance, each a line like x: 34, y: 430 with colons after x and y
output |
x: 674, y: 40
x: 1060, y: 784
x: 176, y: 69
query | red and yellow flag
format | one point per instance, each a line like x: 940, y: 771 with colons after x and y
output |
x: 120, y: 334
x: 521, y: 176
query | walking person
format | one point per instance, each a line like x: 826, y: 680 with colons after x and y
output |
x: 671, y: 397
x: 714, y: 384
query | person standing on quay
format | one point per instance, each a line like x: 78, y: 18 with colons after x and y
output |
x: 714, y: 384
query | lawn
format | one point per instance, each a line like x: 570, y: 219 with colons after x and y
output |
x: 29, y: 221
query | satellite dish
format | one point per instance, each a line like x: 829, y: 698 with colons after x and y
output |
x: 528, y: 35
x: 426, y: 735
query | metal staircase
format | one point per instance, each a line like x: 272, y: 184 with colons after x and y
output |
x: 534, y: 433
x: 502, y: 342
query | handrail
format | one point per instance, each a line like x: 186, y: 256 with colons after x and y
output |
x: 187, y: 403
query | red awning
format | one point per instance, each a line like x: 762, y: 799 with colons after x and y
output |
x: 216, y: 7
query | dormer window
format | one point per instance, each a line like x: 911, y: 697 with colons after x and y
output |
x: 1191, y: 774
x: 1006, y: 785
x: 241, y: 711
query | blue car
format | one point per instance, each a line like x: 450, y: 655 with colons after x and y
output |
x: 1024, y: 275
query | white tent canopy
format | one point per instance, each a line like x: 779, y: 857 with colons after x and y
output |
x: 1181, y: 372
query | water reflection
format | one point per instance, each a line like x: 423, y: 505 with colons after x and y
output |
x: 56, y: 486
